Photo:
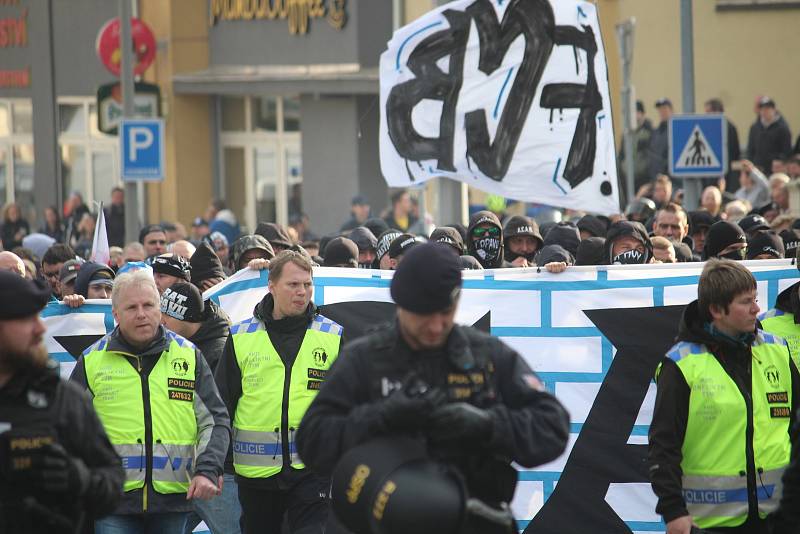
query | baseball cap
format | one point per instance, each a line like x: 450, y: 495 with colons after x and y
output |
x: 766, y: 102
x: 69, y: 271
x: 663, y: 102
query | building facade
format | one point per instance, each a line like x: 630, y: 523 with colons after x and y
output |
x: 272, y: 105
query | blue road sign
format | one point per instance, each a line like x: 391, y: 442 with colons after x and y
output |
x: 142, y: 149
x: 698, y: 145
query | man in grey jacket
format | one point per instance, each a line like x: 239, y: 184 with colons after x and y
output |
x: 158, y: 402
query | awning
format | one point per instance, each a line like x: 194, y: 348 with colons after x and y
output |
x: 346, y: 78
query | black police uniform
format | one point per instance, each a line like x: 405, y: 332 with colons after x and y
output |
x: 58, y: 470
x: 529, y: 426
x: 474, y: 401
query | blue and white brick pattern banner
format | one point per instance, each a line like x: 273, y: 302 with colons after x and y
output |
x: 541, y: 315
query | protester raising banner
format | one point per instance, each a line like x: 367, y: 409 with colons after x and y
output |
x: 510, y: 97
x: 594, y: 335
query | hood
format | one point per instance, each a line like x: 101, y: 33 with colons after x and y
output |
x: 630, y: 229
x: 274, y: 233
x: 787, y: 299
x: 249, y: 242
x: 85, y: 275
x: 551, y: 253
x: 691, y: 328
x: 481, y: 217
x: 590, y: 251
x: 215, y: 324
x: 565, y: 234
x: 363, y: 238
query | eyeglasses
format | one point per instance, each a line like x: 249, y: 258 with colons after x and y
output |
x: 492, y: 231
x: 53, y: 274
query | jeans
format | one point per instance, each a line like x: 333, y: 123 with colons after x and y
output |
x: 222, y: 513
x: 141, y: 524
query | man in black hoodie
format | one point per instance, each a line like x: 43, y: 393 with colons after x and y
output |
x: 719, y: 439
x: 485, y: 236
x: 184, y: 312
x: 627, y: 243
x: 272, y: 367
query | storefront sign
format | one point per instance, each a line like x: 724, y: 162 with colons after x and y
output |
x: 146, y: 104
x: 16, y: 79
x: 144, y: 46
x: 14, y: 31
x: 298, y: 13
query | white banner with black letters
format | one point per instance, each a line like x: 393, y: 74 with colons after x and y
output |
x: 593, y: 334
x: 508, y: 96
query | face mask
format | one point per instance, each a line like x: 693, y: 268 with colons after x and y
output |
x: 365, y: 265
x: 511, y: 256
x: 629, y: 257
x: 736, y: 255
x: 487, y: 249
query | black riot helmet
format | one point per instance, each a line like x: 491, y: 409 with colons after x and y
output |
x: 389, y: 486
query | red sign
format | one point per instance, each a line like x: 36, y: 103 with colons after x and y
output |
x: 144, y: 46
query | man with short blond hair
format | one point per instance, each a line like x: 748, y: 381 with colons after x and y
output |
x: 157, y: 399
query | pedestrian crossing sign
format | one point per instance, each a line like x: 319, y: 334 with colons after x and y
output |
x: 698, y: 145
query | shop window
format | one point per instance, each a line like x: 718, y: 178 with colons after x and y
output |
x: 234, y: 165
x: 265, y: 167
x: 23, y: 180
x: 3, y: 174
x: 73, y: 170
x: 22, y: 112
x: 5, y: 120
x: 72, y: 118
x: 265, y: 114
x: 291, y: 114
x: 104, y: 178
x: 233, y: 114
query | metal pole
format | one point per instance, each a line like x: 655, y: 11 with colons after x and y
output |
x: 625, y: 32
x: 132, y: 221
x: 691, y: 186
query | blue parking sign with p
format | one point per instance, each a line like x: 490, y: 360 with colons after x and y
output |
x: 142, y: 149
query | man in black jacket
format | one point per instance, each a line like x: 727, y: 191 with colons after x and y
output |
x: 769, y: 137
x: 58, y: 471
x: 272, y: 366
x: 473, y: 399
x: 719, y: 439
x: 206, y: 325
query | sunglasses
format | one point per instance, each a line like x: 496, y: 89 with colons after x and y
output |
x: 492, y: 231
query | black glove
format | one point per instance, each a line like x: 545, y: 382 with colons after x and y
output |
x: 460, y: 421
x: 403, y: 412
x: 55, y: 471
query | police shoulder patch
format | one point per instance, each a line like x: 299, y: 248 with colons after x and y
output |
x: 323, y: 324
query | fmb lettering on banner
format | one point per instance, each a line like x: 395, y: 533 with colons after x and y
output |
x: 698, y: 145
x: 142, y: 149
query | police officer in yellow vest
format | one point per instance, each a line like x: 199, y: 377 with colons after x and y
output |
x: 784, y: 319
x: 157, y: 399
x: 271, y: 369
x: 719, y: 440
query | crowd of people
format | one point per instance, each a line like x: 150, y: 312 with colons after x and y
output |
x: 248, y: 425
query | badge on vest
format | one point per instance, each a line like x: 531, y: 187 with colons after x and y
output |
x: 181, y: 395
x: 180, y: 366
x: 779, y: 411
x: 315, y: 384
x: 778, y: 397
x: 772, y: 376
x: 317, y: 374
x: 180, y: 383
x: 320, y: 356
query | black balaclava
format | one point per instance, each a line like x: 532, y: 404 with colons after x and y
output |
x: 488, y: 250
